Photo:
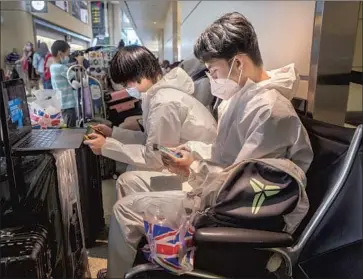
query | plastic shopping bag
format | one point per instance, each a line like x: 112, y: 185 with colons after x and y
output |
x: 169, y: 232
x: 45, y: 111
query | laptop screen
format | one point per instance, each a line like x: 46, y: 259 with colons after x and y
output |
x: 17, y: 110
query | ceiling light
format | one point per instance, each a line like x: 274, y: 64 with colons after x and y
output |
x: 154, y: 22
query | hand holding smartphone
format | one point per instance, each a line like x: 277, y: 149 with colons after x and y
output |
x: 166, y: 151
x: 92, y: 130
x: 176, y: 162
x: 95, y: 129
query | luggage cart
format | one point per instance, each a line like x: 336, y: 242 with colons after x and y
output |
x: 98, y: 98
x: 91, y: 106
x: 91, y: 110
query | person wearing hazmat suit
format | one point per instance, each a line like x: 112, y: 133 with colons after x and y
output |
x: 256, y: 120
x: 171, y: 116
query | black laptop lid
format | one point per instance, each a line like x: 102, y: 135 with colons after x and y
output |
x: 8, y: 190
x: 17, y: 114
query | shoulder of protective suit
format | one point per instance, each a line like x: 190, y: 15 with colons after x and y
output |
x: 165, y: 99
x: 270, y: 101
x: 166, y: 95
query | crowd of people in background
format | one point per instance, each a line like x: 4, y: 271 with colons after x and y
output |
x: 33, y: 66
x: 41, y: 63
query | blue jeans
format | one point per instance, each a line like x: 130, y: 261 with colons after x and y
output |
x: 47, y: 84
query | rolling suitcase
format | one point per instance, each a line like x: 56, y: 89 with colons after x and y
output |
x: 108, y: 168
x: 6, y: 206
x: 71, y: 187
x: 40, y: 203
x: 25, y: 252
x: 90, y: 192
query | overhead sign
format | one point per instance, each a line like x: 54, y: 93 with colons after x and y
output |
x: 39, y: 6
x: 98, y: 18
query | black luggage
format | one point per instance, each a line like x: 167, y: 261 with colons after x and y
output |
x: 39, y: 203
x: 119, y: 117
x: 25, y: 252
x: 108, y: 168
x: 90, y: 192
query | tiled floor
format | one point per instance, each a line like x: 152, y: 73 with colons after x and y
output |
x: 97, y: 255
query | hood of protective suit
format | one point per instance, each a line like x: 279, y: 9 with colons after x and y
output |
x: 285, y: 80
x: 177, y: 79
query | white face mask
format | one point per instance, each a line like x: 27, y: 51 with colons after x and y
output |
x: 225, y: 88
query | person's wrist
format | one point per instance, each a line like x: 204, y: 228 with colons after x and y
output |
x: 103, y: 146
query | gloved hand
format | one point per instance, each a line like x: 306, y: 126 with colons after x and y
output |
x: 95, y: 142
x: 76, y: 84
x: 179, y: 166
x: 107, y: 131
x: 182, y: 147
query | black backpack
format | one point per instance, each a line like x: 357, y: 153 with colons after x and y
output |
x: 264, y: 194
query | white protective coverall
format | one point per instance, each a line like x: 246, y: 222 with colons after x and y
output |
x: 171, y: 116
x: 257, y: 122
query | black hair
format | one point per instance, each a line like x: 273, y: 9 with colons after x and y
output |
x: 132, y: 63
x: 175, y: 65
x: 165, y: 64
x: 227, y: 36
x: 59, y: 45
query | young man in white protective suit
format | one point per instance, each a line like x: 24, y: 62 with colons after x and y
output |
x: 171, y: 116
x: 256, y: 120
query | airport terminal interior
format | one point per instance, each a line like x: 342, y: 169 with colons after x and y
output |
x: 82, y: 177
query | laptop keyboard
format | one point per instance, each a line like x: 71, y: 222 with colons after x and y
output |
x: 40, y: 139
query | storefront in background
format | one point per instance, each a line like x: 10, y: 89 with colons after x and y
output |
x: 128, y: 33
x: 48, y: 33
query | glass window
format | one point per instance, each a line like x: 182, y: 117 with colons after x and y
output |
x: 46, y: 40
x: 80, y: 10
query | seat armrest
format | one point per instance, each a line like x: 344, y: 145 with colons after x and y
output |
x: 251, y: 238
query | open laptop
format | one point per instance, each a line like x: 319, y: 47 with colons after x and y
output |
x: 18, y: 124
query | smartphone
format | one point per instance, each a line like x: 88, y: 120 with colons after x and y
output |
x: 91, y: 130
x: 165, y: 150
x: 98, y: 131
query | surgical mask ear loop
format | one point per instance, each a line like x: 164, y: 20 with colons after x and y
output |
x: 240, y: 75
x: 230, y: 69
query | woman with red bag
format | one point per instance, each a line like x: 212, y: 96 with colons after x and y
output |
x: 31, y: 78
x: 47, y: 81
